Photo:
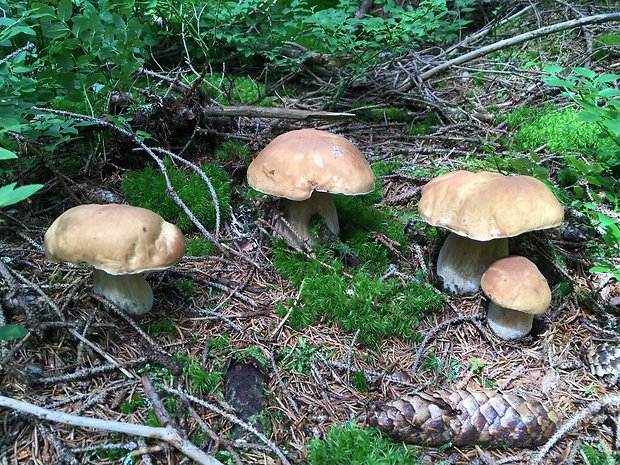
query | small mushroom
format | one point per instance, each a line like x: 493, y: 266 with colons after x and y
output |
x: 482, y: 210
x: 517, y: 291
x: 121, y: 242
x: 304, y: 167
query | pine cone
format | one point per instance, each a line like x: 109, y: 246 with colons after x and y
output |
x: 603, y: 358
x: 465, y: 418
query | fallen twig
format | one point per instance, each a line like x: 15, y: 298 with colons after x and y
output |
x: 167, y: 435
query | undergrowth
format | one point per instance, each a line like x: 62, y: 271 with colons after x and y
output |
x: 348, y: 444
x: 147, y: 188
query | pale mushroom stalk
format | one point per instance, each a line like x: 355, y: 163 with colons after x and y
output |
x: 508, y: 324
x: 130, y: 292
x: 463, y: 261
x: 299, y: 213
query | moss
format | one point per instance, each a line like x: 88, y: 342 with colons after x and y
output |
x: 425, y: 126
x: 239, y: 90
x: 147, y: 188
x: 348, y: 444
x: 375, y: 114
x: 199, y: 247
x: 230, y: 151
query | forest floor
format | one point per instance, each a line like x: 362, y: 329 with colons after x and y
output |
x: 84, y: 357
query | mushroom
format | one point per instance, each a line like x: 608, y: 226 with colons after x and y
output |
x: 120, y: 242
x: 517, y: 291
x: 304, y: 167
x: 482, y: 210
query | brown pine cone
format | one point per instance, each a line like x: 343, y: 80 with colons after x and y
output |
x: 465, y: 418
x: 603, y: 358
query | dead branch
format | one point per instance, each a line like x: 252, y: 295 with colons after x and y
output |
x: 571, y: 423
x: 279, y: 113
x: 543, y: 31
x: 167, y: 435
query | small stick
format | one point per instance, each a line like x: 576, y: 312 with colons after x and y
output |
x: 164, y: 434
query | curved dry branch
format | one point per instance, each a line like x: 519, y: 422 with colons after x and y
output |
x: 574, y: 23
x: 167, y: 435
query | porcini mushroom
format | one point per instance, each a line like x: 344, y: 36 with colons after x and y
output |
x: 482, y: 210
x: 304, y: 167
x: 517, y: 291
x: 121, y: 242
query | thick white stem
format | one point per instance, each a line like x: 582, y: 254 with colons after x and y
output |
x: 463, y: 261
x: 130, y: 292
x: 508, y: 324
x: 298, y: 215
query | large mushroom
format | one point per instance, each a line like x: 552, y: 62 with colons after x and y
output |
x: 482, y: 210
x: 121, y: 242
x: 304, y: 167
x: 517, y: 291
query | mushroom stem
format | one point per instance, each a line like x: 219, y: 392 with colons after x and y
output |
x: 299, y: 213
x: 130, y: 292
x: 463, y: 261
x: 508, y: 324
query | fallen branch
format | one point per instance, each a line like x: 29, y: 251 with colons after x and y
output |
x: 279, y: 113
x: 574, y: 23
x: 167, y: 435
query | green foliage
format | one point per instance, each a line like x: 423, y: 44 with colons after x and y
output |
x: 10, y: 194
x: 297, y: 359
x: 425, y: 126
x: 10, y: 332
x: 202, y: 382
x: 379, y: 114
x: 250, y: 352
x: 348, y: 444
x: 360, y: 382
x: 598, y: 455
x: 129, y: 406
x: 147, y: 188
x: 163, y: 326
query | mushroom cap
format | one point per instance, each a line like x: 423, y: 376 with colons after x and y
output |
x: 297, y: 163
x: 515, y: 283
x: 115, y: 238
x: 485, y: 205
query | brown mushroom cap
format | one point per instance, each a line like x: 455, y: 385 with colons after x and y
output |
x: 485, y: 205
x: 115, y: 238
x: 297, y: 163
x: 515, y: 283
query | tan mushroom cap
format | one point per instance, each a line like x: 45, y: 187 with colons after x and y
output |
x: 297, y: 163
x: 485, y: 205
x: 515, y: 283
x: 115, y: 238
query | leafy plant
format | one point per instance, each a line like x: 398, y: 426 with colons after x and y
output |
x: 10, y: 332
x: 348, y: 444
x: 10, y: 194
x: 598, y: 456
x: 147, y: 188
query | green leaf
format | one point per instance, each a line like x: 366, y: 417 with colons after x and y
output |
x: 588, y: 117
x: 588, y: 73
x: 6, y: 154
x: 612, y: 125
x: 609, y: 92
x: 552, y: 69
x: 557, y: 82
x: 65, y: 10
x: 9, y: 332
x: 10, y: 195
x: 607, y: 78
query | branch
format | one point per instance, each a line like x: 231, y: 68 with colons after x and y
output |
x: 586, y: 20
x: 266, y: 112
x: 168, y: 435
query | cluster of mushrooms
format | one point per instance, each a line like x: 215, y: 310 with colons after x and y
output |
x: 304, y: 168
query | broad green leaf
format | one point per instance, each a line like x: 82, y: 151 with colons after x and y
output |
x: 10, y: 195
x: 609, y: 92
x: 65, y: 10
x: 613, y: 125
x: 6, y: 154
x: 557, y: 82
x: 584, y: 72
x: 552, y: 69
x: 607, y: 78
x: 9, y: 332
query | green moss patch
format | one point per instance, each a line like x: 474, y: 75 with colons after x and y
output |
x: 363, y: 300
x: 147, y: 188
x: 348, y: 444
